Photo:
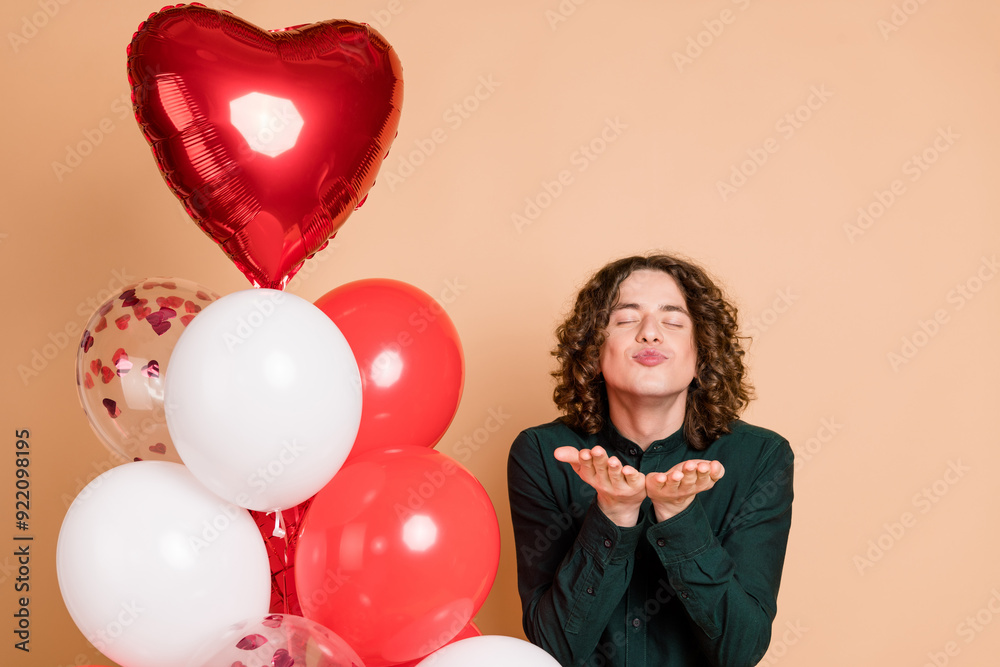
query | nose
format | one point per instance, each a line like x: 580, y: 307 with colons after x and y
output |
x: 649, y: 330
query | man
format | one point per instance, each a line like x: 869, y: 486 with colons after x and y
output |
x: 650, y: 522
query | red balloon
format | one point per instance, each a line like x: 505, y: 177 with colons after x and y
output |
x: 397, y: 553
x: 269, y: 139
x: 468, y: 631
x: 410, y: 358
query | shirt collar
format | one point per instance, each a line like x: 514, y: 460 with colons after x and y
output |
x: 611, y: 435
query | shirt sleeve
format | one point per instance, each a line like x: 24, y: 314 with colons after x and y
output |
x: 569, y: 581
x: 728, y: 584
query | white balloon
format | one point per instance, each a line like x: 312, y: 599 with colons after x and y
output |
x: 263, y: 399
x: 155, y: 570
x: 489, y: 651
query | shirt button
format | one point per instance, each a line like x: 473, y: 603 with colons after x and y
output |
x: 633, y: 451
x: 608, y: 542
x: 590, y: 590
x: 684, y: 595
x: 636, y: 622
x: 660, y: 542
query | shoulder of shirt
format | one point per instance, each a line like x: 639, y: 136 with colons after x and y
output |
x: 742, y: 429
x: 765, y: 441
x: 554, y: 434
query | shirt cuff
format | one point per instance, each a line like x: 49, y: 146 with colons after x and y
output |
x: 605, y: 540
x: 683, y: 535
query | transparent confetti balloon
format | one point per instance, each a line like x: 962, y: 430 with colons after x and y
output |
x: 284, y: 640
x: 122, y: 361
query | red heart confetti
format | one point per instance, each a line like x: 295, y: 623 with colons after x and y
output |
x: 102, y: 325
x: 169, y: 301
x: 122, y: 322
x: 282, y: 659
x: 95, y: 366
x: 128, y: 298
x: 186, y: 320
x: 106, y: 308
x: 152, y: 369
x: 201, y: 295
x: 159, y: 322
x: 250, y: 642
x: 272, y: 621
x: 121, y: 362
x: 191, y: 307
x: 88, y: 381
x: 112, y: 408
x: 88, y: 341
x: 107, y: 374
x: 158, y: 448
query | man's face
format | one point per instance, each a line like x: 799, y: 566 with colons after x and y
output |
x: 649, y: 351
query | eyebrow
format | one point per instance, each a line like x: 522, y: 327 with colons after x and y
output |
x: 667, y: 308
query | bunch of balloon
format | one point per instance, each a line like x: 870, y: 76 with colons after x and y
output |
x: 399, y: 550
x: 270, y: 139
x: 261, y: 396
x: 119, y: 544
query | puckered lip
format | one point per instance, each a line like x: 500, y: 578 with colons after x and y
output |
x: 649, y: 353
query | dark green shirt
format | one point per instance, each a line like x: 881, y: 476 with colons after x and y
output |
x: 696, y: 589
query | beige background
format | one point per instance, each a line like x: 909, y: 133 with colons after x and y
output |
x: 841, y: 98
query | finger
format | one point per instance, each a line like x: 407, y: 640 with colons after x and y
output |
x: 633, y: 477
x: 700, y: 479
x: 614, y: 466
x: 717, y: 471
x: 567, y: 454
x: 600, y: 460
x: 617, y: 475
x: 689, y: 478
x: 658, y: 480
x: 586, y: 469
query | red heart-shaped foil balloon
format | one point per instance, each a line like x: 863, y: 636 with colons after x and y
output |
x: 269, y: 138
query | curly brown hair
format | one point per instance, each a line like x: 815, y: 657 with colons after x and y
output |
x: 720, y: 389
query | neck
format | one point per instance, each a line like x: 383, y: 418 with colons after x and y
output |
x: 643, y: 423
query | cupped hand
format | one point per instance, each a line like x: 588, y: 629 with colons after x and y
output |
x: 673, y: 491
x: 620, y: 489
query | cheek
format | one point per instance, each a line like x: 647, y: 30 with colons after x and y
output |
x: 605, y: 358
x: 691, y: 352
